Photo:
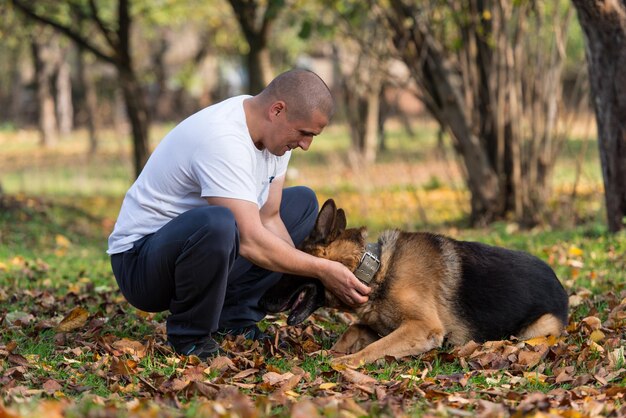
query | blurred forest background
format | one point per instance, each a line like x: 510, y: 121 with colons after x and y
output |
x: 495, y: 95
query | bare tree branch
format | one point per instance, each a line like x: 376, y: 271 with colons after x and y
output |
x: 106, y: 32
x: 66, y: 30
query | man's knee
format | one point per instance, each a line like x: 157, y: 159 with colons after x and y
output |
x: 301, y: 199
x: 217, y: 224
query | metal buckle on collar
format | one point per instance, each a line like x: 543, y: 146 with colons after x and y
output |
x: 369, y: 264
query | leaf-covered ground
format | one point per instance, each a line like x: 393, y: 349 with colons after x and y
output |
x: 71, y: 346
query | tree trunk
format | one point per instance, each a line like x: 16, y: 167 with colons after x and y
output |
x: 17, y: 89
x: 160, y: 104
x: 370, y: 140
x: 65, y: 108
x: 604, y: 26
x: 137, y: 112
x: 259, y: 66
x: 256, y: 19
x: 361, y: 84
x: 47, y: 122
x: 88, y: 100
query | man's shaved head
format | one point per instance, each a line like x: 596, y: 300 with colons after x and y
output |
x: 302, y: 91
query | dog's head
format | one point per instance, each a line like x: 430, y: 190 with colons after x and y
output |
x: 331, y: 240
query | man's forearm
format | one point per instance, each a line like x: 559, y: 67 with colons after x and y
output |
x: 276, y: 226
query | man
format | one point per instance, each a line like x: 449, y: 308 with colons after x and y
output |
x: 207, y: 226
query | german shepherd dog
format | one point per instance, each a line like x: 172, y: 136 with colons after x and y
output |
x: 426, y: 288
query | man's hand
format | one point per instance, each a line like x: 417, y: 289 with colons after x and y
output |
x: 344, y: 284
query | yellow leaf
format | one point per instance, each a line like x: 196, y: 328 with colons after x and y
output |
x: 338, y: 366
x: 292, y: 394
x: 597, y: 336
x: 549, y: 340
x: 3, y: 267
x: 487, y: 15
x: 596, y: 347
x: 535, y: 377
x: 327, y: 385
x: 75, y: 319
x: 18, y: 261
x: 60, y: 252
x: 575, y: 251
x: 62, y: 241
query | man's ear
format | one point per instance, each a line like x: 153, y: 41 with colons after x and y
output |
x: 325, y: 221
x: 277, y: 108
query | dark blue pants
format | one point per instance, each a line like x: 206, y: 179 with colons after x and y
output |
x: 191, y: 267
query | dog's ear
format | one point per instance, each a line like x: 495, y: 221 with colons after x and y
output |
x: 339, y: 225
x: 311, y: 297
x: 325, y: 221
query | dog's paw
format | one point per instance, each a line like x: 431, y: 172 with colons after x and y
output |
x: 352, y: 361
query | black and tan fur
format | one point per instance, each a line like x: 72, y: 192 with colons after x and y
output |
x: 428, y: 288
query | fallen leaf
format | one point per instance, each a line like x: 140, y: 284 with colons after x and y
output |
x: 121, y: 367
x: 132, y: 347
x: 75, y: 319
x: 357, y: 377
x: 593, y: 322
x: 597, y: 336
x: 274, y: 379
x: 549, y: 340
x: 245, y: 373
x: 535, y: 377
x: 575, y: 251
x: 62, y: 241
x: 468, y: 349
x: 304, y: 409
x: 222, y: 363
x: 327, y: 385
x: 50, y: 386
x: 530, y: 358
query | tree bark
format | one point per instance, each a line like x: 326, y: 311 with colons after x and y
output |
x: 44, y: 65
x: 259, y: 67
x: 137, y: 112
x: 88, y: 100
x: 65, y: 107
x: 604, y: 26
x: 256, y: 20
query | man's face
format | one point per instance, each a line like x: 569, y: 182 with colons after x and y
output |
x: 291, y: 134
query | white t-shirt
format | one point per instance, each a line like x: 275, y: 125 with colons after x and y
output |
x: 209, y: 154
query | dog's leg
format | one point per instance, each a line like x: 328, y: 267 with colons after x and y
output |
x: 411, y: 338
x: 356, y: 337
x: 547, y: 324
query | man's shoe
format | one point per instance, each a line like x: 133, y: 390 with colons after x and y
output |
x: 250, y: 332
x: 204, y: 348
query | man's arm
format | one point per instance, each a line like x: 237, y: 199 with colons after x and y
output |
x: 264, y: 248
x: 270, y: 212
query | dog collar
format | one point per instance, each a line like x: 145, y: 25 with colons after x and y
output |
x: 369, y: 264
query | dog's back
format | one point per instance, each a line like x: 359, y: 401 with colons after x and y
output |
x: 502, y: 292
x: 482, y: 292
